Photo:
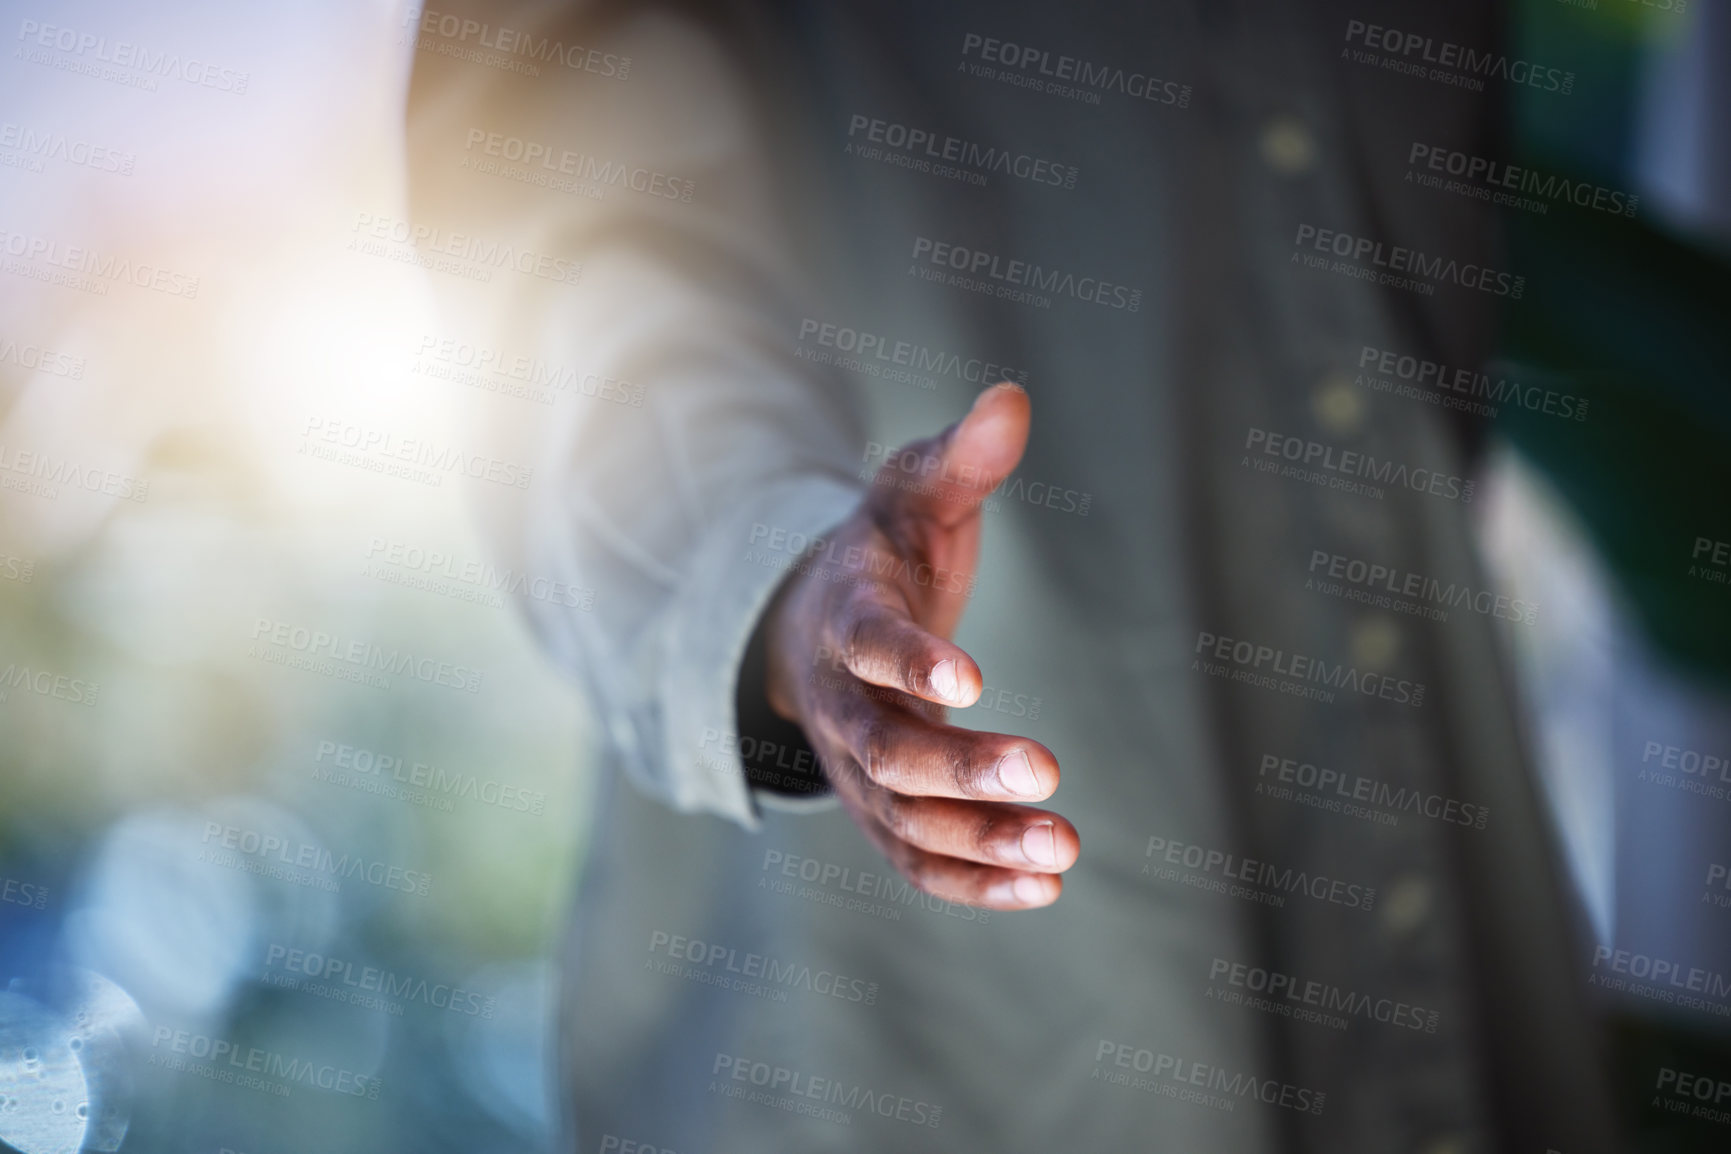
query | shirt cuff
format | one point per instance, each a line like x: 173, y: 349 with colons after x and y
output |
x: 739, y: 567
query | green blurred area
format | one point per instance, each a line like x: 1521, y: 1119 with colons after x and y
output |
x: 1632, y: 313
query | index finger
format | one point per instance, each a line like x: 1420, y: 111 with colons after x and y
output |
x: 881, y: 644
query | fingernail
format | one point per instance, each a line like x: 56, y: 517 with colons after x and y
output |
x: 1040, y: 844
x: 1030, y: 890
x: 1016, y: 774
x: 945, y: 682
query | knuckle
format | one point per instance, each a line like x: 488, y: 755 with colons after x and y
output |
x: 911, y: 667
x: 970, y: 773
x: 874, y: 749
x: 854, y: 636
x: 900, y: 816
x: 987, y: 837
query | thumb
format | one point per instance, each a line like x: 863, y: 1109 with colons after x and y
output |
x: 948, y: 476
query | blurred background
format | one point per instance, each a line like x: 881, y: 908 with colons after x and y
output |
x: 290, y: 802
x: 279, y: 765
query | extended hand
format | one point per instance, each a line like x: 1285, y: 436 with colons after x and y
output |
x: 860, y: 656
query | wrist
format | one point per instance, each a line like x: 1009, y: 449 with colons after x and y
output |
x: 774, y: 750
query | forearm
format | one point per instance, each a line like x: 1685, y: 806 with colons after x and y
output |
x: 689, y: 445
